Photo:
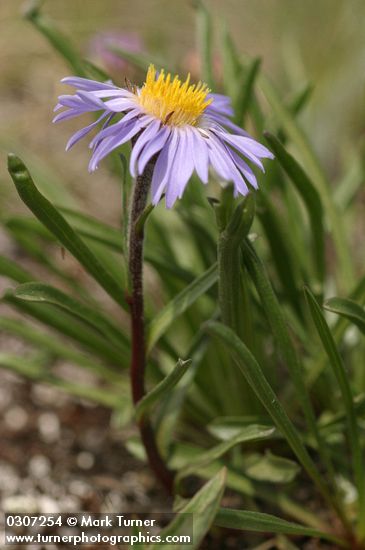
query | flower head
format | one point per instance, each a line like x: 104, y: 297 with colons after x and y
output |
x: 182, y: 126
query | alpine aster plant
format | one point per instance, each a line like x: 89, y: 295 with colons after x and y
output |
x: 184, y: 125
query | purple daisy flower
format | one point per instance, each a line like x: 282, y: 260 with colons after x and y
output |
x: 182, y: 125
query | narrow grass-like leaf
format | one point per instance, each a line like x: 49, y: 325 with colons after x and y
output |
x: 289, y: 124
x: 67, y: 325
x: 56, y: 223
x: 279, y: 327
x: 338, y: 331
x: 300, y: 100
x: 284, y: 260
x: 350, y: 182
x: 340, y: 373
x: 171, y: 409
x: 231, y: 65
x: 165, y: 267
x: 202, y: 509
x: 32, y: 370
x: 349, y: 309
x: 256, y: 378
x: 296, y: 105
x: 266, y: 523
x: 245, y: 93
x: 149, y: 400
x: 184, y: 453
x: 202, y: 237
x: 43, y: 173
x: 29, y: 225
x: 89, y: 226
x: 310, y: 197
x: 271, y: 468
x: 45, y: 342
x: 10, y: 269
x: 229, y: 259
x: 225, y: 427
x: 37, y: 250
x: 40, y: 292
x: 246, y: 435
x: 179, y: 305
x: 141, y: 60
x: 60, y: 42
x: 204, y: 37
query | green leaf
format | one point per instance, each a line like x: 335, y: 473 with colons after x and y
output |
x: 33, y: 370
x: 296, y: 105
x: 198, y: 513
x: 271, y: 468
x: 28, y: 225
x: 204, y: 37
x: 266, y: 523
x: 284, y: 342
x: 61, y: 43
x: 229, y: 260
x: 246, y: 435
x: 310, y: 197
x: 341, y: 375
x: 36, y: 248
x: 339, y: 329
x: 94, y: 229
x: 300, y: 100
x: 159, y: 391
x: 256, y: 378
x: 11, y: 270
x: 349, y: 309
x: 172, y: 407
x: 276, y: 232
x: 317, y: 175
x: 40, y: 292
x: 179, y: 305
x: 183, y: 453
x: 67, y: 325
x: 57, y: 225
x: 226, y: 427
x: 163, y: 265
x: 230, y: 63
x: 141, y: 60
x: 246, y: 90
x: 46, y: 342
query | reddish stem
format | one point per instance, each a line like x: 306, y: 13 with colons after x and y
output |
x: 138, y: 352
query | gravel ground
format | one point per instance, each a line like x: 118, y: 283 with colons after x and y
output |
x: 61, y: 455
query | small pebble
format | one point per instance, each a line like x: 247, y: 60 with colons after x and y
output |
x: 49, y: 427
x: 79, y: 488
x: 92, y: 439
x: 85, y: 460
x: 69, y: 504
x: 48, y: 395
x: 39, y: 466
x: 48, y: 505
x: 16, y: 418
x: 5, y: 397
x: 20, y: 503
x: 9, y: 479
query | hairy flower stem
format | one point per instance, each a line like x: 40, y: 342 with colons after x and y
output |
x: 135, y: 299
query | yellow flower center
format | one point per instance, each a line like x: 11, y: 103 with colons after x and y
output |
x: 173, y: 102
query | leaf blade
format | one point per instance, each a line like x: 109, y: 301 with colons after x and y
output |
x: 263, y: 523
x: 179, y: 305
x: 57, y: 225
x: 347, y: 308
